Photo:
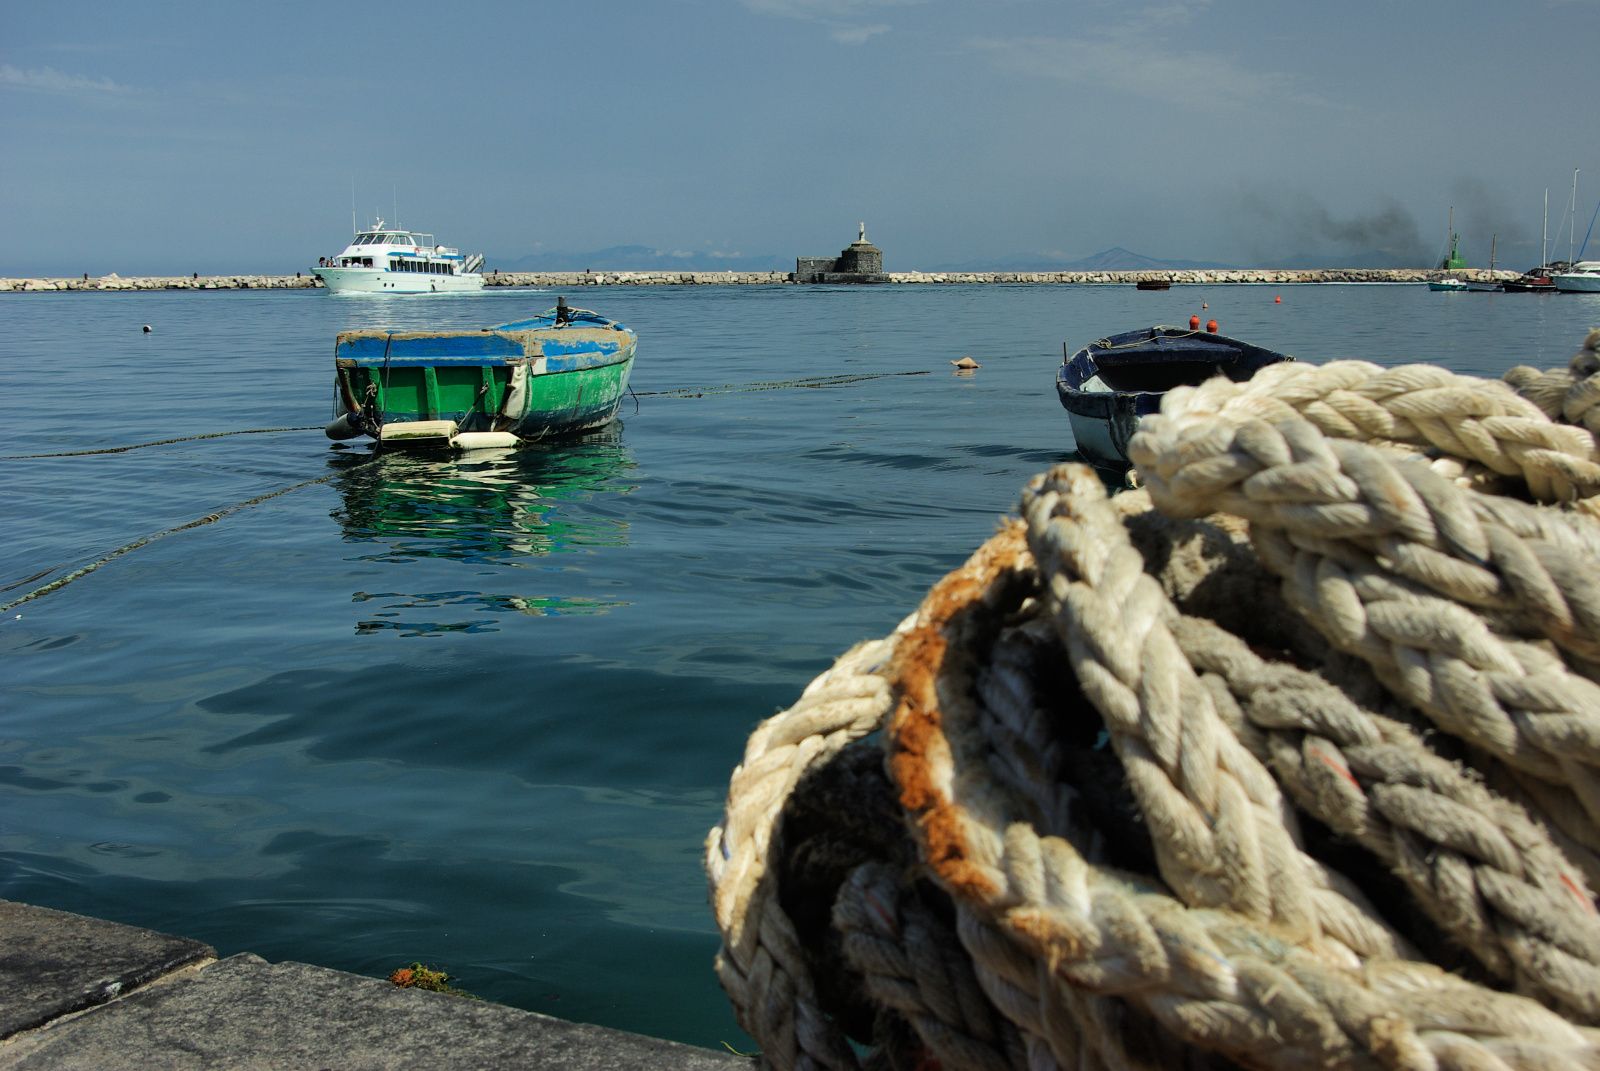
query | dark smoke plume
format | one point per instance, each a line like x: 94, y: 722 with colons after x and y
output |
x: 1297, y: 225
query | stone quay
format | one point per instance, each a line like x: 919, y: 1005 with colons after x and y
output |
x: 1268, y: 276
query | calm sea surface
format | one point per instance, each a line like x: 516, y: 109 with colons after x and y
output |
x: 481, y: 712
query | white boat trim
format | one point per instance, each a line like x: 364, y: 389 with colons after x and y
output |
x: 395, y: 260
x: 1584, y: 278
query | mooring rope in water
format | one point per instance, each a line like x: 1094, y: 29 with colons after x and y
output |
x: 1170, y: 773
x: 126, y: 548
x: 811, y: 382
x: 682, y: 392
x: 158, y: 442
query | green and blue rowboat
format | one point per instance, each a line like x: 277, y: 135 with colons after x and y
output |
x: 554, y: 375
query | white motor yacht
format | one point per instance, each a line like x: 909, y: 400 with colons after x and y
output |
x: 1584, y: 278
x: 390, y: 260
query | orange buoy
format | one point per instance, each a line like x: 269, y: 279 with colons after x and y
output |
x: 1211, y: 325
x: 1276, y: 300
x: 1194, y: 323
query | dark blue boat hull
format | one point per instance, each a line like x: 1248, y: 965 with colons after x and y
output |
x: 1111, y: 383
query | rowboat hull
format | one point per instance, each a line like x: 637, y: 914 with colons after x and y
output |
x: 1107, y: 387
x: 519, y: 382
x: 1102, y: 425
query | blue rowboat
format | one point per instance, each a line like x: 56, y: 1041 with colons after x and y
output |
x: 560, y: 373
x: 1112, y: 382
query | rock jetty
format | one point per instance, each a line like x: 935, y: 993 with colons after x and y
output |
x: 1270, y: 276
x: 162, y: 282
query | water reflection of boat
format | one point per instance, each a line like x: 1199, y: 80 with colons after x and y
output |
x: 509, y: 509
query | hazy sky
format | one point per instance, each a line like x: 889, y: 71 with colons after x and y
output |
x: 169, y: 137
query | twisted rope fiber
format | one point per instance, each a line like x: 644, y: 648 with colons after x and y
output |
x: 1366, y: 547
x: 1062, y: 1025
x: 1035, y: 840
x: 912, y: 963
x: 1425, y: 406
x: 1476, y: 865
x: 760, y: 963
x: 1224, y: 835
x: 1032, y: 763
x: 1571, y: 394
x: 1213, y: 978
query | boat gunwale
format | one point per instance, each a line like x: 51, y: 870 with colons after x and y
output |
x: 1086, y: 363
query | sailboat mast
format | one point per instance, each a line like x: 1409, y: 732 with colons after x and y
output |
x: 1572, y: 230
x: 1544, y: 231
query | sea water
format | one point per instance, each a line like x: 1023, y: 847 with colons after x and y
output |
x: 481, y: 712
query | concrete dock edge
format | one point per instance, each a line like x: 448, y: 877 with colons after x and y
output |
x: 77, y: 992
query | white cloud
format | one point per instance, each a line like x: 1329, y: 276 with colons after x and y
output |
x: 857, y: 35
x: 843, y: 19
x: 822, y: 10
x: 1121, y: 64
x: 50, y: 80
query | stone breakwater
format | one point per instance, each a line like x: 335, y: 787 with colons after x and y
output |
x: 573, y: 279
x: 161, y: 282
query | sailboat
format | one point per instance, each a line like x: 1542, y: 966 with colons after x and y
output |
x: 1538, y: 280
x: 1486, y: 286
x: 1581, y: 276
x: 1452, y: 261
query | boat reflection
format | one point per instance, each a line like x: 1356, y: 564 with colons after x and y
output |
x: 493, y: 510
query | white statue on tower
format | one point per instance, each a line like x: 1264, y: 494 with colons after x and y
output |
x: 861, y: 235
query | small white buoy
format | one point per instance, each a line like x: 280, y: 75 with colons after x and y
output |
x: 147, y: 329
x: 966, y: 362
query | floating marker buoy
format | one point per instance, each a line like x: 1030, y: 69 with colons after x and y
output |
x: 1211, y: 325
x: 1194, y: 323
x: 147, y: 329
x: 966, y: 362
x: 1203, y: 305
x: 1276, y: 300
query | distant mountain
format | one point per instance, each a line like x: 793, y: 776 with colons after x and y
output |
x: 1115, y: 259
x: 640, y: 258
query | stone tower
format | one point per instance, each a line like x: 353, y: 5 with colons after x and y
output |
x: 859, y: 262
x: 861, y: 257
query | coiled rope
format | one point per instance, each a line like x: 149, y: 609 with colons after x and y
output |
x: 1288, y: 759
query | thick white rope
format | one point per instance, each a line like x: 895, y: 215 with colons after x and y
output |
x: 760, y: 963
x: 1380, y: 555
x: 1479, y: 611
x: 1212, y: 978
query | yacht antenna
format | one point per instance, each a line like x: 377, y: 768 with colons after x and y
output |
x: 394, y: 199
x: 353, y: 228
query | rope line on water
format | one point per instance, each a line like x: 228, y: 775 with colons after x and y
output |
x: 1167, y: 775
x: 811, y: 382
x: 126, y: 548
x: 158, y: 442
x: 682, y: 392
